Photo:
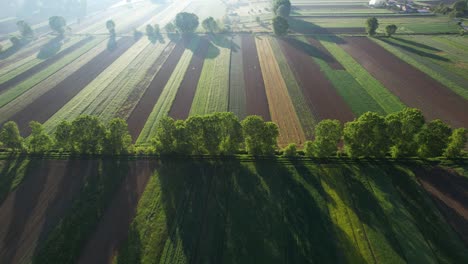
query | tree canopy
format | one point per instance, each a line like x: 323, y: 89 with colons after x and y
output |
x: 58, y: 24
x: 371, y: 26
x: 390, y: 30
x: 433, y: 139
x: 457, y: 142
x: 327, y: 135
x: 25, y: 29
x: 186, y: 22
x: 282, y: 7
x: 210, y: 25
x: 280, y: 26
x: 10, y: 136
x: 39, y: 141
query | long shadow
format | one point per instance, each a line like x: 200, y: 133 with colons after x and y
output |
x: 11, y: 50
x: 309, y: 49
x: 26, y: 199
x: 8, y: 174
x: 417, y: 44
x: 416, y: 51
x: 51, y: 48
x: 445, y: 244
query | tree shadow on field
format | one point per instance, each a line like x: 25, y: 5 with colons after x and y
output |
x: 417, y: 44
x: 50, y: 48
x: 415, y: 51
x: 244, y: 212
x: 437, y: 232
x: 11, y: 51
x: 309, y: 49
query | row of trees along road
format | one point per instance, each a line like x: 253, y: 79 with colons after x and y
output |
x: 399, y: 135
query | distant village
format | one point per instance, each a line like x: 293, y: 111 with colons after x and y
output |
x: 399, y: 6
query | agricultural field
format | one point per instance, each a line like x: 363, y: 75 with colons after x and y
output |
x: 182, y: 211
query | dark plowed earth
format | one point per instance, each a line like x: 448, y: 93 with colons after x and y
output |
x: 29, y: 213
x: 413, y: 87
x: 450, y: 192
x: 180, y: 108
x: 320, y: 30
x: 39, y: 67
x: 114, y: 225
x: 318, y: 91
x: 256, y: 99
x: 137, y: 119
x: 325, y: 54
x: 45, y: 106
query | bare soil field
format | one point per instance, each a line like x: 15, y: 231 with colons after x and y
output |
x: 137, y: 119
x: 413, y: 87
x: 114, y: 225
x: 256, y: 99
x: 180, y: 108
x: 325, y: 54
x: 39, y: 67
x: 450, y: 192
x: 30, y: 212
x: 49, y: 103
x: 318, y: 91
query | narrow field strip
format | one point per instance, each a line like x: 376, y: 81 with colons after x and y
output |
x: 318, y: 91
x: 28, y: 97
x: 94, y: 93
x: 386, y: 100
x: 347, y: 225
x: 410, y: 85
x: 412, y: 242
x: 168, y: 94
x: 256, y: 99
x: 281, y: 107
x: 137, y: 82
x: 237, y: 96
x: 145, y: 104
x: 30, y: 82
x: 182, y: 103
x: 16, y: 72
x: 212, y: 93
x: 304, y: 113
x: 425, y: 66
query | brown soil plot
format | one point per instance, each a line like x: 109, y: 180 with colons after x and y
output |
x: 325, y: 54
x: 50, y: 102
x: 137, y: 119
x: 256, y: 100
x: 281, y: 107
x: 180, y: 108
x: 318, y: 91
x: 413, y: 87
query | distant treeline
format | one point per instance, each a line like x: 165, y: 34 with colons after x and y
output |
x: 398, y: 135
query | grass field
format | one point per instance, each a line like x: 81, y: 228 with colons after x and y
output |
x: 212, y: 93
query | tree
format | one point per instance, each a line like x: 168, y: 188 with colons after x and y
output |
x: 280, y: 26
x: 283, y: 10
x: 58, y: 24
x: 186, y: 22
x: 118, y: 140
x: 460, y: 6
x: 371, y: 26
x: 15, y: 41
x: 170, y: 27
x: 164, y: 138
x: 25, y: 29
x: 110, y: 25
x: 327, y: 135
x: 260, y: 137
x: 149, y: 31
x: 366, y: 136
x: 282, y: 7
x: 210, y: 25
x: 290, y: 150
x: 390, y: 30
x: 87, y: 134
x: 62, y: 136
x: 402, y: 128
x: 309, y: 148
x: 433, y: 139
x: 10, y: 136
x: 457, y: 142
x: 39, y: 141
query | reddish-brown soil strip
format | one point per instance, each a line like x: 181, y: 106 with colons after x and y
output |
x: 180, y: 108
x: 256, y: 99
x: 137, y: 119
x: 114, y: 225
x: 318, y: 91
x: 320, y: 30
x: 47, y: 104
x: 42, y: 65
x: 325, y: 55
x: 413, y: 87
x: 29, y: 213
x: 450, y: 192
